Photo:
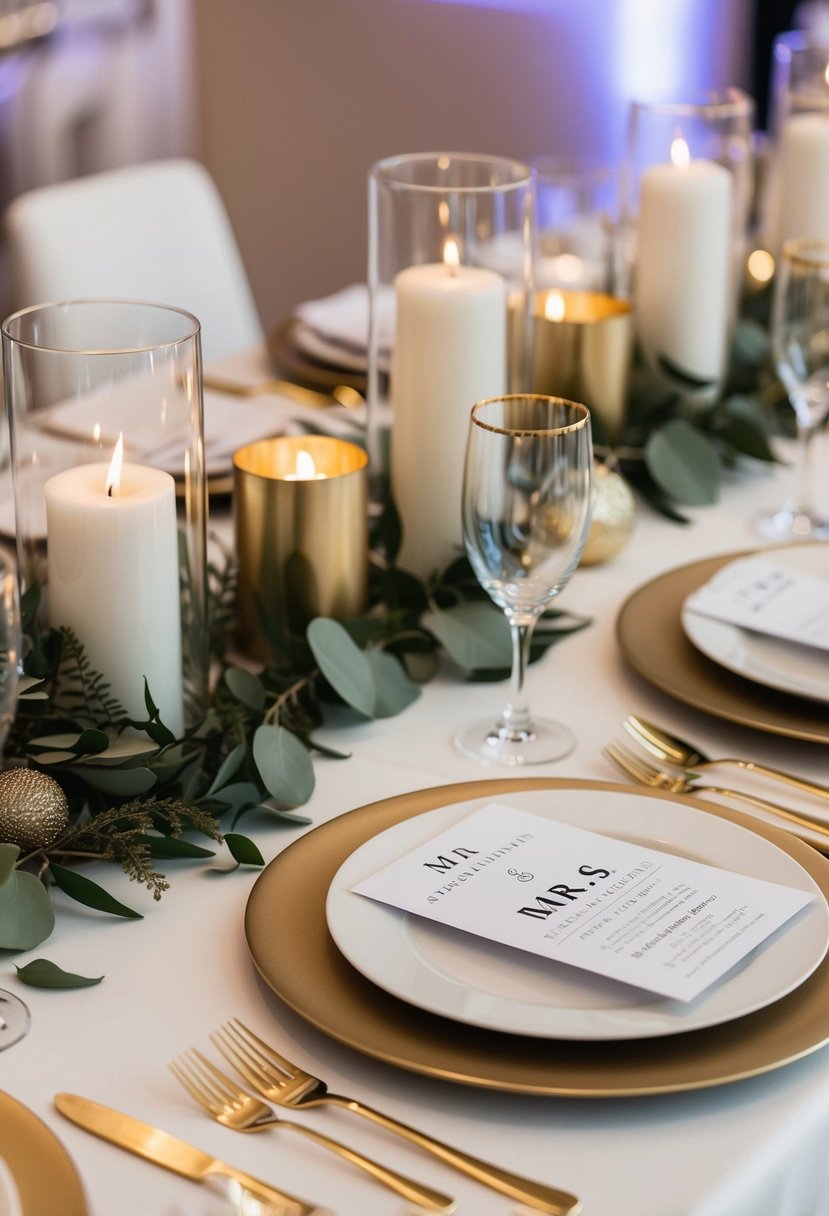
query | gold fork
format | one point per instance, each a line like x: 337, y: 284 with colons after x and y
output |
x: 284, y: 1083
x: 227, y: 1104
x: 644, y: 773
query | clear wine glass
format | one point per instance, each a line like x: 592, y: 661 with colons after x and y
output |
x: 14, y: 1014
x: 800, y: 344
x: 527, y: 498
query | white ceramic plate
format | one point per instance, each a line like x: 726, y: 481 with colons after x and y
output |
x: 465, y: 978
x: 9, y: 1198
x: 774, y: 662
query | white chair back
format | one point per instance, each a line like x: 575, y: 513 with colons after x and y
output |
x: 156, y: 231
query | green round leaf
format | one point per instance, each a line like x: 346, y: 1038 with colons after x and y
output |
x: 393, y: 688
x: 26, y: 913
x: 343, y: 664
x: 41, y: 973
x: 284, y: 764
x: 245, y: 687
x: 123, y: 782
x: 684, y: 463
x: 475, y: 635
x: 243, y: 850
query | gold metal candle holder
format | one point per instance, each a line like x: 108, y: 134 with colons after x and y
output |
x: 582, y: 350
x: 301, y: 536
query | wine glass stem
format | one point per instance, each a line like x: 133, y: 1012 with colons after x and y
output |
x: 805, y: 435
x: 516, y: 716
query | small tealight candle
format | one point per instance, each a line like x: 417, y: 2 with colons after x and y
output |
x: 113, y: 578
x: 301, y: 524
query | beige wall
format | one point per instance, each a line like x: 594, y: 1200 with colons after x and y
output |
x: 299, y: 97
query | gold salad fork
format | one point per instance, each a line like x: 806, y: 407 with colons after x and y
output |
x: 284, y: 1083
x: 644, y: 773
x: 231, y: 1106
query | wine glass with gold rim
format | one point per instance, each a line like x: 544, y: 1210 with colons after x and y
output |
x: 527, y: 496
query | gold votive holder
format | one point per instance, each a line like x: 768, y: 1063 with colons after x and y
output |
x: 582, y: 349
x: 301, y: 525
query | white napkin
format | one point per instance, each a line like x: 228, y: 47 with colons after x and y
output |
x: 768, y: 597
x: 342, y: 318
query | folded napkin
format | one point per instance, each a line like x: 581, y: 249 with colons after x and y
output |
x: 341, y: 319
x: 768, y: 597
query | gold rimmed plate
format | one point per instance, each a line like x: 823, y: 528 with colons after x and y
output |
x: 651, y: 637
x: 40, y: 1167
x: 303, y: 966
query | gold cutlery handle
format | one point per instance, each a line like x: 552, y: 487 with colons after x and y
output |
x: 804, y: 821
x: 524, y: 1190
x: 288, y: 1205
x: 304, y: 396
x: 415, y: 1192
x: 800, y: 783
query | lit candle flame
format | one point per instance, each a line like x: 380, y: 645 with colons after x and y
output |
x: 451, y: 254
x: 304, y: 468
x: 554, y: 306
x: 680, y: 153
x: 113, y: 482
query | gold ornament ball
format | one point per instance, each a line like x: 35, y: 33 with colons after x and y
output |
x: 33, y: 808
x: 614, y: 513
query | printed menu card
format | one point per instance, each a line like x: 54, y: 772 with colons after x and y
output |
x: 758, y: 593
x: 622, y: 910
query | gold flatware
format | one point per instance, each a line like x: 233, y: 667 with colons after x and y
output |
x: 341, y: 394
x: 171, y: 1153
x: 671, y: 749
x: 646, y: 774
x: 225, y: 1102
x: 276, y: 1078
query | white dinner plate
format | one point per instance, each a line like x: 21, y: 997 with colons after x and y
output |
x: 774, y: 662
x: 468, y: 979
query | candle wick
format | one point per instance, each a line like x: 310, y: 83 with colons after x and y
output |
x: 109, y: 491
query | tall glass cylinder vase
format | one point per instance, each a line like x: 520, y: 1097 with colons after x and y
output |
x: 687, y: 189
x: 450, y: 276
x: 797, y: 199
x: 104, y: 401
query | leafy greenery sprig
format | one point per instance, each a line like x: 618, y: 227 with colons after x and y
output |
x: 138, y: 795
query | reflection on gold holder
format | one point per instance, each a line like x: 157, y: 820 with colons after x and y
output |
x: 582, y: 347
x: 301, y: 537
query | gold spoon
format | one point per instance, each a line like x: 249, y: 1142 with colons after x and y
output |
x: 677, y: 751
x: 341, y: 394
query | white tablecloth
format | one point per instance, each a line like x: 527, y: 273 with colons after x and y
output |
x: 754, y: 1148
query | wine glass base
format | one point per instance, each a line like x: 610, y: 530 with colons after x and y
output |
x: 15, y: 1019
x: 792, y: 523
x: 544, y: 742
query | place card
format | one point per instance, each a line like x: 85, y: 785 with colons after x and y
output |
x: 621, y: 910
x: 758, y: 593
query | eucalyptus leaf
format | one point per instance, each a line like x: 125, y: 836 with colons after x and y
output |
x: 475, y: 635
x: 26, y: 914
x: 228, y: 767
x: 41, y: 973
x: 87, y: 892
x: 343, y: 664
x: 685, y: 379
x: 173, y: 847
x: 684, y: 463
x: 122, y: 782
x: 393, y: 688
x: 236, y: 795
x: 243, y: 850
x: 245, y: 687
x: 284, y: 764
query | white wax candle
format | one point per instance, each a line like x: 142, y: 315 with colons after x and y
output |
x: 113, y: 580
x: 449, y: 352
x: 684, y: 266
x: 802, y: 172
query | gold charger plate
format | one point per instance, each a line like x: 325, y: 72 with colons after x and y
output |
x: 46, y: 1179
x: 650, y: 636
x: 289, y: 942
x: 302, y: 369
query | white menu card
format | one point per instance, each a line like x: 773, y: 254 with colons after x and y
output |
x: 758, y: 593
x: 626, y: 911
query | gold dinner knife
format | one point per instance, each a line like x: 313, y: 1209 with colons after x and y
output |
x: 173, y: 1154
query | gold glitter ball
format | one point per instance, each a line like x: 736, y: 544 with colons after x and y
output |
x: 614, y: 513
x: 33, y: 808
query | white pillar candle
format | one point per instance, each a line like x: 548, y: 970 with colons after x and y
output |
x: 684, y: 265
x: 449, y: 352
x: 802, y: 173
x: 113, y: 580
